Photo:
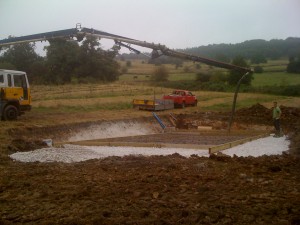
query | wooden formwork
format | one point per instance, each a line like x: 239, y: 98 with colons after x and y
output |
x: 217, y: 148
x: 139, y: 144
x: 167, y: 140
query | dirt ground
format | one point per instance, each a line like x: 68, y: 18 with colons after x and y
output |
x: 158, y: 189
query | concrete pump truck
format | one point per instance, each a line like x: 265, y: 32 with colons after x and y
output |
x: 15, y: 96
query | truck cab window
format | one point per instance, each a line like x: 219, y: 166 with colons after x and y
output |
x: 1, y: 78
x: 20, y: 81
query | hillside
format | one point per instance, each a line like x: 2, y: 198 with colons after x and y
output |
x: 273, y: 49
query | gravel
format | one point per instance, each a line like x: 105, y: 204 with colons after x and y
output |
x: 74, y: 153
x: 260, y: 147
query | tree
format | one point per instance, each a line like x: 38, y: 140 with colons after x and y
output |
x: 21, y: 56
x: 223, y: 58
x: 85, y: 63
x: 128, y: 63
x: 258, y: 58
x: 62, y: 60
x: 294, y: 65
x: 235, y: 76
x: 39, y: 72
x: 96, y: 63
x: 7, y: 66
x: 160, y: 73
x: 203, y: 77
x: 258, y: 69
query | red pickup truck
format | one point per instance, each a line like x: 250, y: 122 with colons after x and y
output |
x: 182, y: 98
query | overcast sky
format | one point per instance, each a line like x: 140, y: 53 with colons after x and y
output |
x: 175, y: 23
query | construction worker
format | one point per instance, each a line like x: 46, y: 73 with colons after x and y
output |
x: 276, y: 120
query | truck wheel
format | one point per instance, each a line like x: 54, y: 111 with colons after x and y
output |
x: 10, y: 113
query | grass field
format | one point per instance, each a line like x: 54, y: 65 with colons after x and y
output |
x: 119, y: 96
x: 136, y: 84
x: 275, y: 79
x: 274, y: 73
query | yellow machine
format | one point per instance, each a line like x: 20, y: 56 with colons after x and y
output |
x: 153, y: 105
x: 15, y: 96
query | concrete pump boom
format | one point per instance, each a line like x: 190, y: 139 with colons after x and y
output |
x: 79, y: 33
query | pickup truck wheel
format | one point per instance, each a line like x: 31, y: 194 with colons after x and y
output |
x: 10, y: 113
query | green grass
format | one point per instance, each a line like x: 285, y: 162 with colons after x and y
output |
x: 143, y: 77
x: 275, y: 79
x: 85, y: 108
x: 130, y: 77
x: 217, y: 107
x: 274, y: 74
x: 182, y: 76
x: 276, y: 68
x: 277, y: 62
x: 244, y: 100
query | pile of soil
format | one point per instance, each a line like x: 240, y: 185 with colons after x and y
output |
x: 257, y: 111
x: 263, y: 115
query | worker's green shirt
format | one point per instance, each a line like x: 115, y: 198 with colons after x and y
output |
x: 276, y: 112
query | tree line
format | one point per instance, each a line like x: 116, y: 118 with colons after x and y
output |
x: 65, y: 62
x: 254, y: 51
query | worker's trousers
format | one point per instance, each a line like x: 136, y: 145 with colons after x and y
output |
x: 277, y: 125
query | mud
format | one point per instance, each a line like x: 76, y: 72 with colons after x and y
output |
x: 153, y: 190
x: 157, y: 189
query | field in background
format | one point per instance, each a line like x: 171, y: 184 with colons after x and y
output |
x: 274, y: 72
x: 116, y: 98
x: 275, y: 79
x: 119, y: 96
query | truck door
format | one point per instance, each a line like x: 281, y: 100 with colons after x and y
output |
x: 20, y: 84
x: 11, y: 92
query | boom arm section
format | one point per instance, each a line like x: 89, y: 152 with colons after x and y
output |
x: 207, y: 61
x: 69, y: 33
x: 169, y: 52
x: 79, y: 33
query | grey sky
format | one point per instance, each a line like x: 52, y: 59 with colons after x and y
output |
x: 175, y: 23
